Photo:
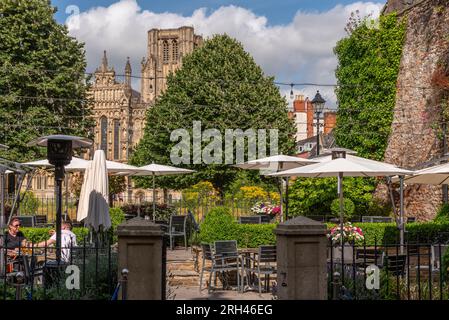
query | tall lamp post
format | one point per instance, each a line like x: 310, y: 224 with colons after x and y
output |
x: 59, y: 154
x: 318, y: 106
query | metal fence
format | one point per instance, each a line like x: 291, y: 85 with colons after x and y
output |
x: 415, y: 271
x: 45, y: 207
x: 89, y: 271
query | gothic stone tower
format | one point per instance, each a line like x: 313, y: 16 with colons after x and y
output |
x: 166, y: 48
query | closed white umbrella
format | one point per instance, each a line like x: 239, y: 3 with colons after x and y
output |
x: 95, y: 195
x: 159, y: 170
x: 341, y: 165
x: 275, y: 164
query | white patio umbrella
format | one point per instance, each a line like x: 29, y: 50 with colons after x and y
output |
x: 341, y: 165
x: 94, y: 199
x: 273, y: 164
x: 159, y: 170
x: 436, y: 175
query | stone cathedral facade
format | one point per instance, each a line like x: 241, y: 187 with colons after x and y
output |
x: 119, y: 109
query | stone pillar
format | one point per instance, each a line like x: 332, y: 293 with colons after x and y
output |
x: 141, y: 251
x: 301, y: 259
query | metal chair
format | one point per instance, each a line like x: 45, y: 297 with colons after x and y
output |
x: 207, y: 257
x: 263, y: 265
x: 265, y: 218
x: 27, y: 221
x: 395, y: 264
x: 370, y: 256
x: 250, y: 220
x: 225, y: 258
x: 177, y: 228
x: 437, y: 252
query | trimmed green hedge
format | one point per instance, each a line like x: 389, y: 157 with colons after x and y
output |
x: 388, y: 232
x: 219, y: 224
x: 40, y: 234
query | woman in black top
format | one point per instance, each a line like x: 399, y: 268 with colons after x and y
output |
x: 14, y: 237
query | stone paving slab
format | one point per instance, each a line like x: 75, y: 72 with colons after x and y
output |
x: 193, y: 293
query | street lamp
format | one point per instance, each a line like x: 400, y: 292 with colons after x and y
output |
x: 318, y: 106
x: 59, y: 154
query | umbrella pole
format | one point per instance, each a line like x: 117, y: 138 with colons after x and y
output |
x: 286, y: 199
x: 282, y: 200
x: 154, y: 200
x: 401, y: 214
x: 66, y: 181
x: 340, y: 189
x: 2, y: 197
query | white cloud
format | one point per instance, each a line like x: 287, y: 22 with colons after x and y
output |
x: 300, y: 51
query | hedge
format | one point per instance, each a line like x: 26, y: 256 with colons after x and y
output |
x: 388, y: 233
x: 219, y: 224
x: 40, y: 234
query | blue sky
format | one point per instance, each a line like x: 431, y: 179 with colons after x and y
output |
x: 292, y: 40
x: 277, y: 12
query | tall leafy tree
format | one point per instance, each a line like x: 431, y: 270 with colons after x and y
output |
x: 42, y: 79
x: 220, y: 85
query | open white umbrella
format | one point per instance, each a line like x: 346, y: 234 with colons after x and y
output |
x: 341, y: 165
x: 276, y: 163
x: 94, y: 199
x: 436, y: 175
x: 159, y: 170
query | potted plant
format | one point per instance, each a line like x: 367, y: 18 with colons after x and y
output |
x: 261, y: 208
x: 350, y: 234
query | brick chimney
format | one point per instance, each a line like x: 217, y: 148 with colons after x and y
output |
x: 310, y: 115
x: 298, y: 104
x: 330, y: 120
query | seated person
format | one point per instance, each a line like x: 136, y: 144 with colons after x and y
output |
x: 68, y: 240
x: 14, y: 238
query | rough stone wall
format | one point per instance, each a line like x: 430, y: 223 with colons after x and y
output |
x: 414, y: 139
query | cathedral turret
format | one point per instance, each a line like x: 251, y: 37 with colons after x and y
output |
x: 128, y: 72
x: 104, y: 75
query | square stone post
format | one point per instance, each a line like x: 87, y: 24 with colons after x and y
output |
x: 301, y: 259
x: 141, y: 250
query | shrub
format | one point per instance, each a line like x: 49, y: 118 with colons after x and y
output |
x: 117, y: 217
x: 442, y: 214
x: 348, y: 208
x: 388, y: 233
x: 40, y: 234
x: 29, y: 203
x: 219, y: 224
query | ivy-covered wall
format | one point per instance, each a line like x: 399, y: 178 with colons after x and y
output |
x: 368, y: 65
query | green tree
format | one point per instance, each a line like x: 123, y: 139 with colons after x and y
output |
x: 368, y: 67
x: 42, y: 82
x: 220, y: 85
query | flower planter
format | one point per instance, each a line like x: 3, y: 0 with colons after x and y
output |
x: 348, y: 252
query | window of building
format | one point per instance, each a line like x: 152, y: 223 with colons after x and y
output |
x: 175, y: 50
x: 116, y: 139
x: 301, y: 148
x: 165, y: 52
x: 104, y: 134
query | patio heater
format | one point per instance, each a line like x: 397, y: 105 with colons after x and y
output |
x: 59, y: 154
x: 318, y: 107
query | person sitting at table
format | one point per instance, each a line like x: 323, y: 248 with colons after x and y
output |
x: 68, y: 240
x: 14, y: 238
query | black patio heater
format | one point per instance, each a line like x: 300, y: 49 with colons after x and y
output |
x: 59, y: 154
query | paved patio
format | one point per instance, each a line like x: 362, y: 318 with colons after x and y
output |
x: 192, y: 293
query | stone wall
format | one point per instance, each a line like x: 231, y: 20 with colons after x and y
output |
x: 417, y: 116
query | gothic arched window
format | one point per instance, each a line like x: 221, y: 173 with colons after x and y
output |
x: 165, y: 52
x: 104, y: 134
x: 116, y: 139
x: 175, y: 50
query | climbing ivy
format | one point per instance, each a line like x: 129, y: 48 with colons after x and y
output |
x: 368, y: 67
